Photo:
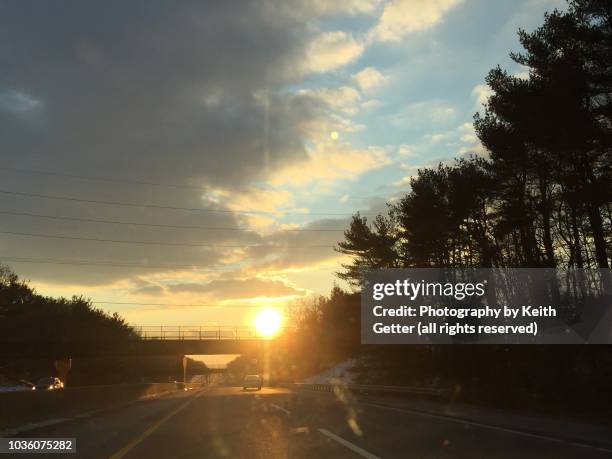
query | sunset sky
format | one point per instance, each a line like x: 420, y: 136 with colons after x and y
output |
x: 270, y: 121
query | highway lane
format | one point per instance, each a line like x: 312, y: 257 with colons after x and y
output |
x: 218, y: 422
x: 391, y: 429
x: 226, y: 422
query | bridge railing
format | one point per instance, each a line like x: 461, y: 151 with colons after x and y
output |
x: 196, y: 332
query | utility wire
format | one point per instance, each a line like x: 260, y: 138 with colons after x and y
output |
x: 57, y: 261
x: 127, y: 303
x: 98, y: 179
x: 179, y: 244
x: 125, y: 181
x: 157, y: 206
x: 158, y: 225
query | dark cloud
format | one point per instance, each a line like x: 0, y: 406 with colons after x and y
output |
x: 314, y: 245
x: 175, y: 90
x: 187, y: 93
x: 149, y: 290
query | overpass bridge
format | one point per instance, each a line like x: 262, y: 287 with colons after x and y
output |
x: 195, y: 339
x: 147, y: 340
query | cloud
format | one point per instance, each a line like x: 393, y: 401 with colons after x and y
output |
x: 183, y: 93
x: 308, y: 8
x: 331, y: 161
x: 369, y: 78
x: 402, y: 17
x: 315, y: 261
x: 456, y: 142
x: 405, y: 180
x: 481, y: 94
x: 423, y: 114
x: 412, y: 170
x: 468, y: 142
x: 282, y: 261
x: 371, y: 104
x: 192, y: 95
x: 344, y: 98
x: 149, y: 289
x: 200, y: 98
x: 253, y: 199
x: 406, y: 150
x: 237, y: 289
x: 332, y: 50
x: 263, y: 207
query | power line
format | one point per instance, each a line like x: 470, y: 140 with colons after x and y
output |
x: 56, y: 261
x: 157, y: 206
x: 125, y: 181
x: 127, y: 303
x: 99, y: 179
x: 179, y: 244
x: 157, y: 225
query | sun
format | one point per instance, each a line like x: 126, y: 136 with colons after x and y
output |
x: 268, y: 322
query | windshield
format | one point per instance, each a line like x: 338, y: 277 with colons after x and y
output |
x: 306, y: 228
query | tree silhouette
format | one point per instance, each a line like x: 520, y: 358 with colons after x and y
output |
x: 543, y: 195
x: 26, y: 316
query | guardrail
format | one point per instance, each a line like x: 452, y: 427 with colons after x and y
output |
x: 365, y: 389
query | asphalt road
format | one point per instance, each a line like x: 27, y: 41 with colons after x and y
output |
x: 226, y: 422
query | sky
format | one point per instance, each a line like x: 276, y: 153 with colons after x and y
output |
x: 190, y: 162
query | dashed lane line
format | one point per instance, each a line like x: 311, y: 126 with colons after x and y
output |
x: 356, y: 449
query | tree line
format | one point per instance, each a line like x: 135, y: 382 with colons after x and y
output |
x: 27, y: 317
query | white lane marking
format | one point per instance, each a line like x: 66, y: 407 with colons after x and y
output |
x: 488, y: 426
x: 280, y: 408
x: 356, y: 449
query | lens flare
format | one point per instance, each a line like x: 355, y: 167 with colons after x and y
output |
x: 268, y: 322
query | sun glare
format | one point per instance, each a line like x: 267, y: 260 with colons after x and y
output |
x: 268, y: 322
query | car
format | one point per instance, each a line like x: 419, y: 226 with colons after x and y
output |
x: 49, y: 383
x: 251, y: 381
